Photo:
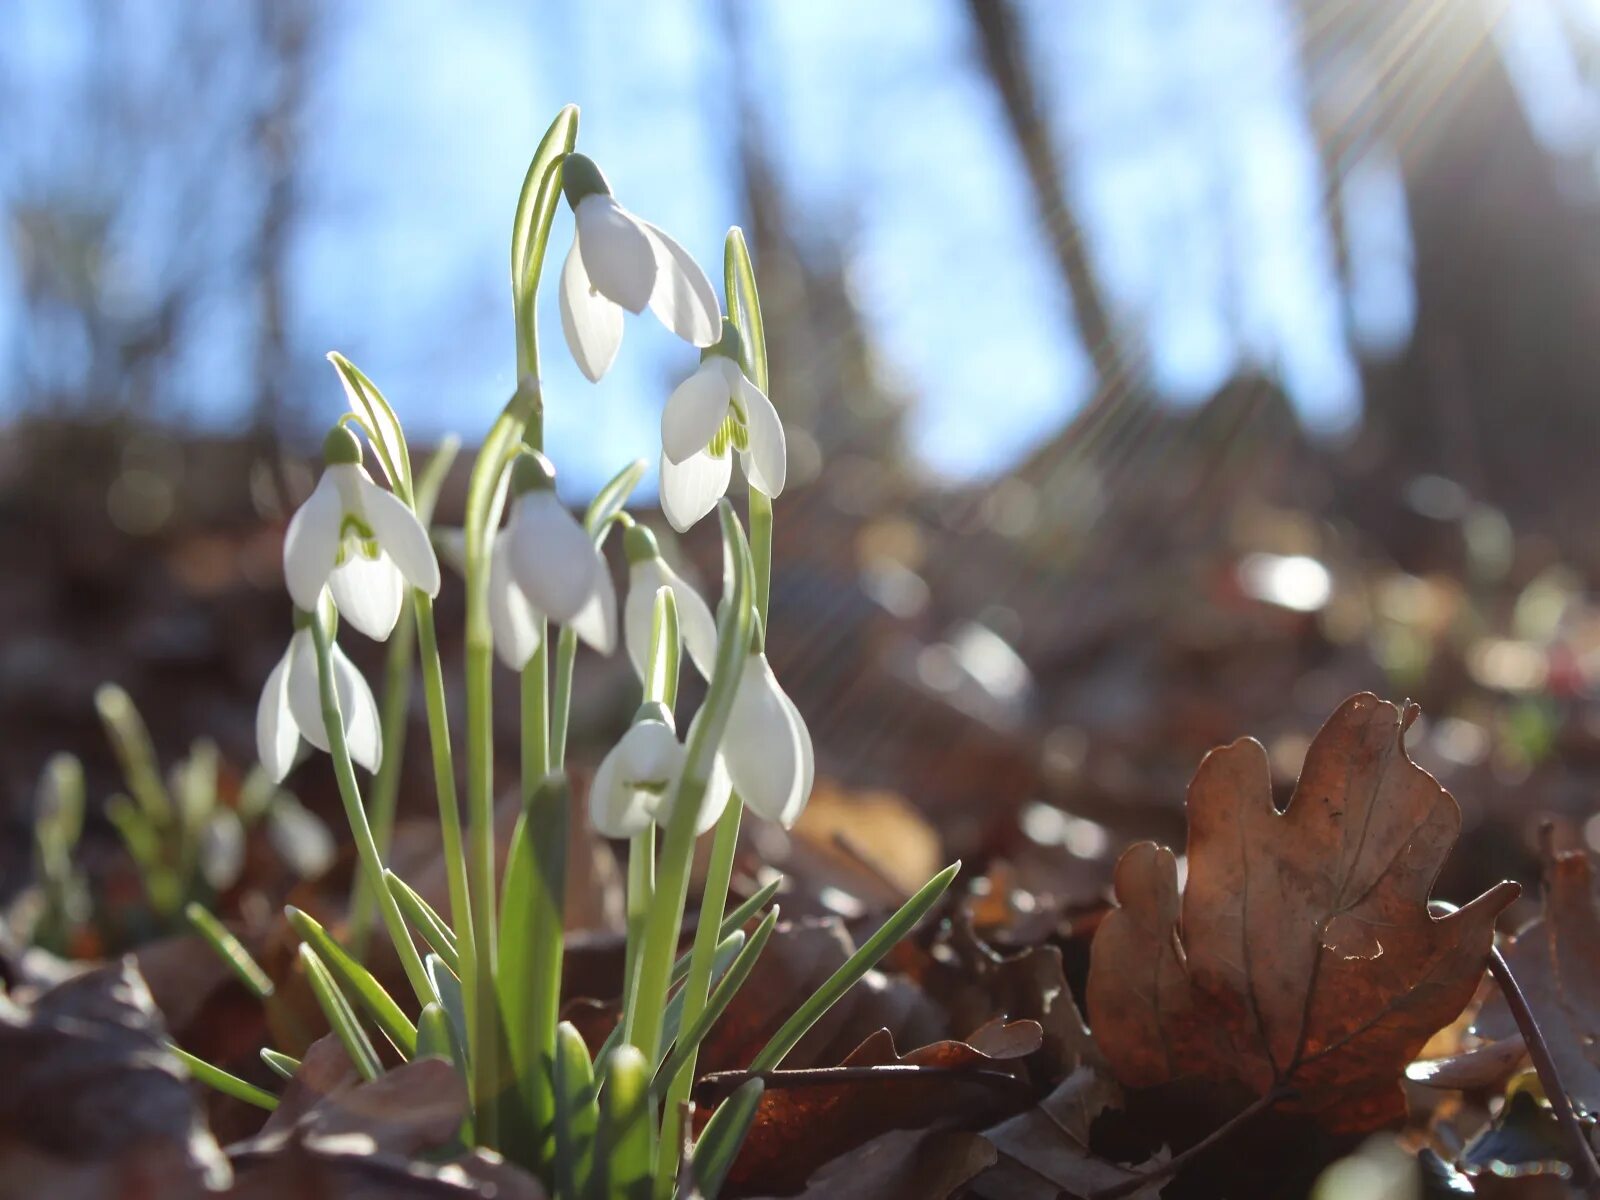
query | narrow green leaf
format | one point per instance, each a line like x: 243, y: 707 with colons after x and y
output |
x: 368, y: 403
x: 613, y: 497
x: 230, y: 950
x: 283, y: 1064
x: 744, y: 305
x: 625, y: 1133
x: 723, y: 1135
x: 530, y: 227
x: 228, y: 1085
x: 531, y: 943
x: 577, y: 1112
x: 448, y: 988
x: 422, y: 917
x: 341, y: 1017
x: 436, y: 1038
x: 433, y: 476
x: 727, y: 951
x: 718, y: 1003
x: 136, y: 754
x: 58, y: 823
x: 857, y: 965
x: 357, y: 981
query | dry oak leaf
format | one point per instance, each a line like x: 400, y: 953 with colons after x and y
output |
x: 1303, y: 959
x: 1556, y: 959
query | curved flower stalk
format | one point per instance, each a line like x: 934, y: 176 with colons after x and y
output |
x: 619, y: 261
x: 291, y: 705
x: 636, y: 777
x: 714, y: 412
x: 544, y: 562
x: 648, y: 573
x: 767, y: 748
x: 363, y: 543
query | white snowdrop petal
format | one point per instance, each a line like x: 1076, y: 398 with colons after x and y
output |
x: 651, y: 752
x: 618, y: 255
x: 368, y: 592
x: 277, y: 737
x: 596, y: 622
x: 312, y: 542
x: 719, y: 790
x: 683, y: 298
x: 512, y: 620
x: 638, y: 612
x: 693, y: 412
x: 552, y: 558
x: 358, y: 709
x: 400, y: 534
x: 698, y: 626
x: 764, y: 756
x: 766, y: 462
x: 591, y: 324
x: 616, y: 810
x: 691, y: 489
x: 801, y: 735
x: 305, y: 696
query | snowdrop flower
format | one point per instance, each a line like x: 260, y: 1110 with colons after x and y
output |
x: 636, y: 779
x: 712, y: 413
x: 617, y: 262
x: 766, y: 747
x: 361, y: 541
x: 291, y: 706
x: 544, y: 562
x: 648, y: 573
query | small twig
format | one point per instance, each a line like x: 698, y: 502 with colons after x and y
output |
x: 1173, y: 1165
x: 1538, y: 1050
x: 719, y: 1084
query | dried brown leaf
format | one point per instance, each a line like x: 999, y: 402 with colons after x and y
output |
x: 1303, y: 957
x: 946, y: 1085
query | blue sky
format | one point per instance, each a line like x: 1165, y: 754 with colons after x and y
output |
x: 1183, y: 123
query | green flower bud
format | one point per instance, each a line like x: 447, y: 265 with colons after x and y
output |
x: 730, y: 346
x: 341, y: 447
x: 580, y: 178
x: 639, y: 545
x: 532, y: 472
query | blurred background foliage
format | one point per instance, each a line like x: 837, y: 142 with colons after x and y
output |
x: 1158, y: 372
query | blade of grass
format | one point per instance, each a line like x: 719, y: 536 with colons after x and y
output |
x: 228, y: 1085
x: 282, y: 1064
x: 857, y: 965
x: 355, y: 980
x: 341, y: 1017
x: 723, y: 1135
x: 422, y: 917
x: 689, y: 1043
x: 230, y: 950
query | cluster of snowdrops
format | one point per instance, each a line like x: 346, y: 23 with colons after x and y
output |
x: 486, y: 974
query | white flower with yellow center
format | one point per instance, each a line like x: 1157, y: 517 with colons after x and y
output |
x: 619, y: 261
x: 710, y: 415
x: 360, y: 541
x: 635, y: 782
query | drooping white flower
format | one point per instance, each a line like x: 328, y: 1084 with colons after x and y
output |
x: 648, y: 573
x: 638, y: 778
x: 767, y: 747
x: 543, y: 561
x: 291, y: 707
x: 708, y: 416
x: 359, y: 540
x: 619, y: 261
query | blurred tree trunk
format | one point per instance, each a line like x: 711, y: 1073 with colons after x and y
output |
x: 1497, y: 386
x: 1003, y: 52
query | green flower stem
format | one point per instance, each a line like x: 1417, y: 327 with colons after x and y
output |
x: 744, y: 305
x: 561, y: 702
x: 444, y: 783
x: 665, y: 917
x: 350, y: 793
x: 662, y: 668
x: 397, y: 671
